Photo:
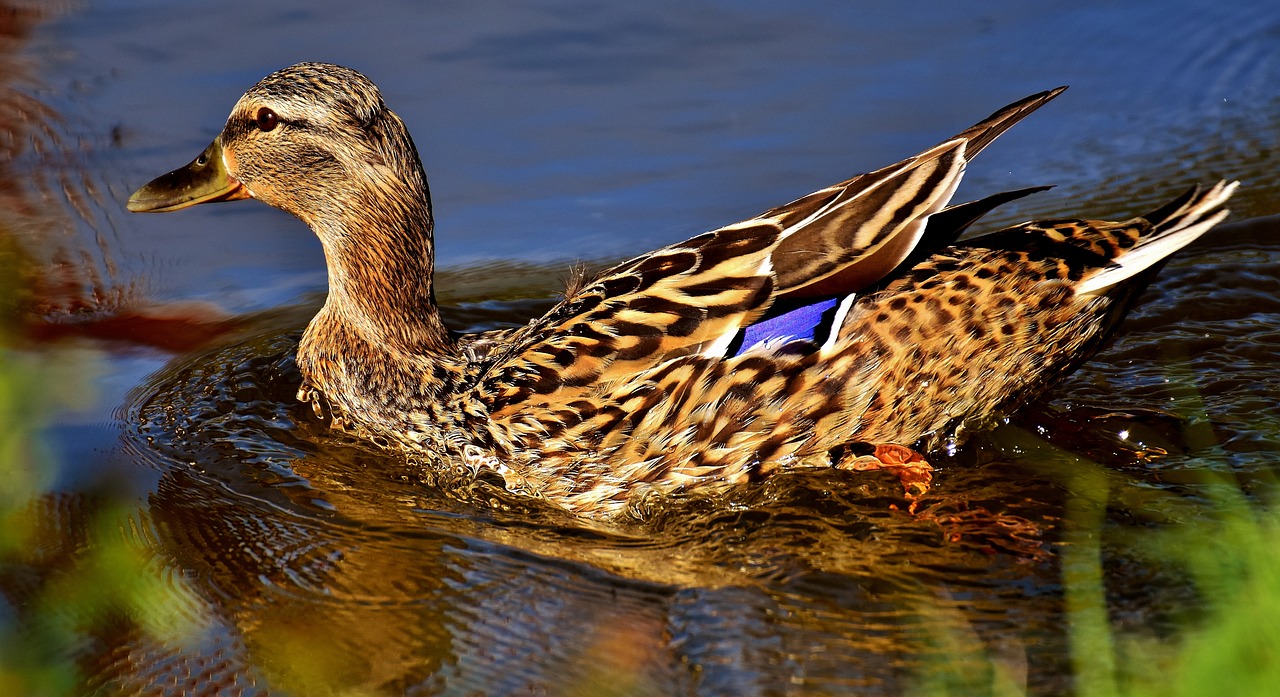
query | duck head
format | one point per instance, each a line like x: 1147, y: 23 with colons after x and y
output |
x: 317, y: 141
x: 313, y: 139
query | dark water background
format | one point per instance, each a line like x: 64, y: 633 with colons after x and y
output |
x: 588, y: 131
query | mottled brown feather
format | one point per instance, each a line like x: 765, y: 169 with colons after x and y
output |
x: 694, y: 297
x: 625, y: 388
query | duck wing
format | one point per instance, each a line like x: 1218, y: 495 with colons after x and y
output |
x: 972, y: 331
x: 983, y: 325
x: 695, y: 297
x: 809, y: 318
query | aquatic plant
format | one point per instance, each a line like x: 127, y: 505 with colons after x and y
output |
x: 1222, y: 543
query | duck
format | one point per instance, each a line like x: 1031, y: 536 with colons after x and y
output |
x: 857, y: 327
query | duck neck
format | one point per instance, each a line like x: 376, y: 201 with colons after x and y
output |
x: 380, y: 254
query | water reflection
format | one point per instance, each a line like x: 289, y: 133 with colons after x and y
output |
x: 318, y: 566
x: 299, y: 540
x: 58, y: 218
x: 33, y: 155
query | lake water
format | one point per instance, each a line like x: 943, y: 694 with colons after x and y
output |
x: 584, y: 132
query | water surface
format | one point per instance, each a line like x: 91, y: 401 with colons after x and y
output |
x: 585, y: 132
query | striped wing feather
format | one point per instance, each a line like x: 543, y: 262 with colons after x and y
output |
x: 850, y: 235
x: 694, y: 297
x: 973, y: 329
x: 983, y: 325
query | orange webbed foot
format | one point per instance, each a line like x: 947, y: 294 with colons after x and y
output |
x: 909, y: 466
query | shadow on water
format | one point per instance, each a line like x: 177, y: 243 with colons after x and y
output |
x: 300, y: 562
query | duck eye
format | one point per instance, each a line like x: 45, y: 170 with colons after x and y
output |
x: 266, y: 119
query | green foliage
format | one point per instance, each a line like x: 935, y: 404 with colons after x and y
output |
x: 71, y: 564
x: 1226, y: 544
x: 1233, y: 556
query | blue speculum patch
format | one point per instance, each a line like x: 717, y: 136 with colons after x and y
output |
x: 805, y: 322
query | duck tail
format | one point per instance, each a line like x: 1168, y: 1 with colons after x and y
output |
x: 1173, y: 226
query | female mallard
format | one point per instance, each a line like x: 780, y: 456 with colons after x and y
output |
x: 641, y: 380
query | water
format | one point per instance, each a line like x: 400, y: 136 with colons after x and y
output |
x: 583, y: 131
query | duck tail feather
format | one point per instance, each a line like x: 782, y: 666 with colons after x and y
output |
x: 1175, y: 225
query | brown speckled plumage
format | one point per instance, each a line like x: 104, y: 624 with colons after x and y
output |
x: 629, y: 385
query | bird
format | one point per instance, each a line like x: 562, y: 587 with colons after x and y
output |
x: 853, y: 328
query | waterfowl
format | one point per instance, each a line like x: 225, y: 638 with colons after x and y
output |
x: 654, y: 376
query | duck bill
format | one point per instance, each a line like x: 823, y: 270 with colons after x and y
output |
x: 205, y: 180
